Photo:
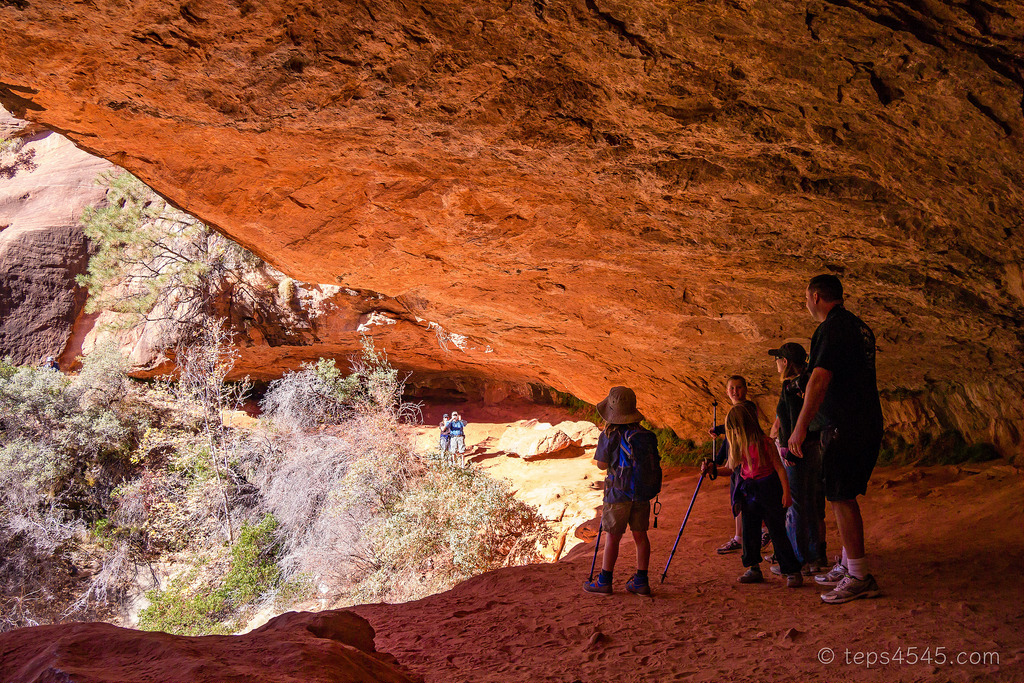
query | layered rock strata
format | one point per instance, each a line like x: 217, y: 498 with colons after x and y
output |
x: 601, y: 192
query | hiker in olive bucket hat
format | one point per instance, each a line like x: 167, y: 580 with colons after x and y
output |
x: 629, y: 453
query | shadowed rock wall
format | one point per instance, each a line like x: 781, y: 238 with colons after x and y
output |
x: 601, y: 192
x: 42, y: 246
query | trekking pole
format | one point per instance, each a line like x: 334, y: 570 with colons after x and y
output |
x: 714, y: 442
x: 680, y: 534
x: 596, y: 546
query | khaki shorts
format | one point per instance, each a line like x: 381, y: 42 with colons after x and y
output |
x: 614, y: 517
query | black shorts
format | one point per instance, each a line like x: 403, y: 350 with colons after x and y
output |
x: 847, y: 459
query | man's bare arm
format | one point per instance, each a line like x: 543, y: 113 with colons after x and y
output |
x: 817, y: 385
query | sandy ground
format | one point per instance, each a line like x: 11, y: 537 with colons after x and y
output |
x: 945, y: 543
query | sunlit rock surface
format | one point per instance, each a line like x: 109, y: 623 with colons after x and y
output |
x: 299, y: 647
x: 42, y: 247
x: 596, y: 192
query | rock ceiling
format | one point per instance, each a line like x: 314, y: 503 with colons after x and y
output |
x: 599, y: 192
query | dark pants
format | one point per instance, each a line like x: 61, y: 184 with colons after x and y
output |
x: 760, y: 500
x: 803, y: 519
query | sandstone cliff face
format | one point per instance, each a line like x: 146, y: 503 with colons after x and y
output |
x: 600, y: 192
x: 42, y: 247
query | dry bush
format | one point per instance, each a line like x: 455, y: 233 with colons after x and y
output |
x: 65, y: 449
x: 451, y: 523
x: 202, y: 366
x: 362, y: 514
x: 307, y: 398
x: 318, y: 394
x: 324, y: 488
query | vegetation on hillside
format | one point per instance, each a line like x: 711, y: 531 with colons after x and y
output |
x: 153, y: 261
x: 106, y: 477
x: 14, y: 158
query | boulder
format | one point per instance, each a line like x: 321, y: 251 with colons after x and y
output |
x: 296, y: 647
x: 582, y: 432
x: 531, y: 440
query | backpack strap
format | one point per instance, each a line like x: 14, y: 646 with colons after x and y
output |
x: 625, y: 447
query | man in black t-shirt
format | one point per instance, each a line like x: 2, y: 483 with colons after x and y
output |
x: 843, y: 389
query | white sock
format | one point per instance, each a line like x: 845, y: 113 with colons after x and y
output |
x: 845, y: 561
x: 858, y: 568
x: 737, y: 539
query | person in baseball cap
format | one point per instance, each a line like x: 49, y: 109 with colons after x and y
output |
x: 805, y: 519
x: 792, y: 352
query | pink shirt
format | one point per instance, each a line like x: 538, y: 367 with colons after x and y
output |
x: 752, y: 467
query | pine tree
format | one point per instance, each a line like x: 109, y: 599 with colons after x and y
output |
x: 154, y: 261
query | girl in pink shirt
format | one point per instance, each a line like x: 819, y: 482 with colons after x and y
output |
x: 761, y: 495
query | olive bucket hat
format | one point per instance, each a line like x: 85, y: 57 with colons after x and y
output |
x: 619, y: 408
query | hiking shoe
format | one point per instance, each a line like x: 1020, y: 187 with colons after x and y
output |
x: 851, y: 589
x: 765, y: 539
x: 833, y: 576
x: 638, y: 586
x: 730, y: 546
x: 770, y: 559
x: 752, y: 575
x: 775, y: 569
x: 794, y: 580
x: 596, y: 586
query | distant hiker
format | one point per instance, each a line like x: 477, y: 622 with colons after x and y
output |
x: 805, y: 519
x: 51, y: 364
x: 736, y: 390
x: 456, y: 436
x: 445, y: 435
x: 843, y: 389
x: 761, y: 494
x: 629, y: 453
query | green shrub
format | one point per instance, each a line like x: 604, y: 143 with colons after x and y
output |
x: 577, y: 407
x: 676, y: 451
x: 185, y: 609
x: 451, y: 523
x: 946, y: 448
x: 54, y: 432
x: 199, y: 604
x: 253, y: 569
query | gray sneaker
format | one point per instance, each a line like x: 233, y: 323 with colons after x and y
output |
x: 752, y: 575
x: 833, y: 577
x: 851, y: 589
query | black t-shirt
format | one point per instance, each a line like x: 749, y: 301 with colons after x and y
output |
x: 791, y: 400
x: 845, y: 345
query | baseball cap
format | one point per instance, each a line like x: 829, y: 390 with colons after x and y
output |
x: 791, y: 351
